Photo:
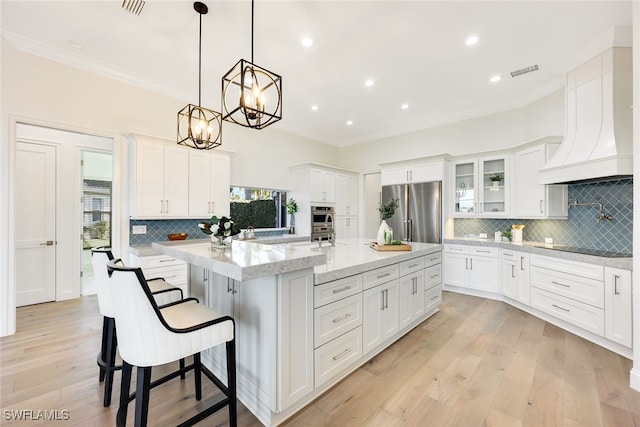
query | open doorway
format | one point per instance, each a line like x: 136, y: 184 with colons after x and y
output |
x: 97, y: 196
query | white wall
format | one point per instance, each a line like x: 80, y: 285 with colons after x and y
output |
x: 37, y: 90
x: 492, y: 132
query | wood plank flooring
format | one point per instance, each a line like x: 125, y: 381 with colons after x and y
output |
x: 476, y: 362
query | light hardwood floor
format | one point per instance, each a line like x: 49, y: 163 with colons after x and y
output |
x: 476, y: 362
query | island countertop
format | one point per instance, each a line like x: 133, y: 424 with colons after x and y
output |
x: 243, y: 260
x: 354, y: 256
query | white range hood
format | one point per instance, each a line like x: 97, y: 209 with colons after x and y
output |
x: 598, y: 136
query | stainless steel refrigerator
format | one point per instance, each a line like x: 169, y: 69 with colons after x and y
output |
x: 419, y: 216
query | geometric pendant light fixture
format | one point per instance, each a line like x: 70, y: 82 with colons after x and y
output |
x: 251, y: 95
x: 199, y: 127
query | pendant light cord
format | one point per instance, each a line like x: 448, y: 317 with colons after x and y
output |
x: 252, y: 1
x: 200, y: 63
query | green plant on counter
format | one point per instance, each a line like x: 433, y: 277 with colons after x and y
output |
x: 507, y: 234
x: 389, y: 208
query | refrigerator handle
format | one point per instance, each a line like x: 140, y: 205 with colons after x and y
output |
x: 410, y: 230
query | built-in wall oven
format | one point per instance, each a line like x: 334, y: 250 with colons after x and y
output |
x: 322, y: 222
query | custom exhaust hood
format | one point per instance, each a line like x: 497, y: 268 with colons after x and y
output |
x: 598, y: 142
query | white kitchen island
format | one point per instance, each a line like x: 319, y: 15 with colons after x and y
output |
x: 306, y: 316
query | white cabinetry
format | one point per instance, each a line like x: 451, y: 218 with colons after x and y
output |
x: 346, y: 227
x: 274, y: 315
x: 323, y: 186
x: 476, y: 267
x: 618, y: 299
x: 159, y: 179
x: 209, y: 181
x: 411, y: 291
x: 569, y: 290
x: 380, y: 302
x: 515, y: 275
x: 530, y: 198
x: 413, y: 171
x: 475, y: 193
x: 346, y: 194
x: 172, y: 270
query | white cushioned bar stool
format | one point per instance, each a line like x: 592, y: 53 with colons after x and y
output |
x: 162, y: 291
x: 151, y: 335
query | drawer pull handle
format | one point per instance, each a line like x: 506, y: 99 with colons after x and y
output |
x: 341, y: 318
x: 483, y: 252
x: 560, y: 284
x: 615, y: 284
x: 380, y: 276
x: 413, y: 265
x: 434, y: 276
x: 561, y: 308
x: 337, y: 291
x: 341, y: 355
x: 434, y: 298
x: 166, y: 260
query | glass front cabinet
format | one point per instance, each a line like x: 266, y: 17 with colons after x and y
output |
x: 481, y: 187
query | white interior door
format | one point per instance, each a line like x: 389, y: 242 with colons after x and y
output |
x: 35, y: 221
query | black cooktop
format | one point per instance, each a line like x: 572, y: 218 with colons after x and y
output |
x: 588, y: 251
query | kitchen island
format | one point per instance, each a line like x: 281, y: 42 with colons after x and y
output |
x: 306, y: 316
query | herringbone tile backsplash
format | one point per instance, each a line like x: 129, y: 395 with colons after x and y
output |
x: 581, y: 228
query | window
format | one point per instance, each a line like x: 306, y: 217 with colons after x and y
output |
x: 258, y: 207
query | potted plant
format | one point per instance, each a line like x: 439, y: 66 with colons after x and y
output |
x: 292, y: 208
x: 496, y: 179
x: 220, y: 229
x: 387, y: 210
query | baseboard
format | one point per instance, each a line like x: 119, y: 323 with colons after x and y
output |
x: 634, y: 378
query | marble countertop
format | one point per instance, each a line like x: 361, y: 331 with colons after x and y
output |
x: 243, y: 260
x: 148, y: 250
x: 354, y: 256
x: 532, y: 247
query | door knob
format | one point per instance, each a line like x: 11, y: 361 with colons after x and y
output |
x: 47, y: 243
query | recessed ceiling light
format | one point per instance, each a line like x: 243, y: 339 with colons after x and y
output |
x: 307, y: 41
x: 369, y: 83
x: 495, y: 79
x: 349, y: 122
x: 405, y: 106
x: 314, y: 107
x: 471, y: 40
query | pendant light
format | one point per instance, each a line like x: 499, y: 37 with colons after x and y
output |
x: 251, y: 95
x: 199, y: 127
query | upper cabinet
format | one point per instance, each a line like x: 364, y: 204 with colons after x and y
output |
x: 159, y: 179
x: 531, y: 199
x: 173, y: 181
x: 209, y: 183
x: 323, y: 186
x: 481, y: 186
x: 413, y: 171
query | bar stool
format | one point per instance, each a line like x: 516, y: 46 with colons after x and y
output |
x: 162, y: 291
x: 150, y: 335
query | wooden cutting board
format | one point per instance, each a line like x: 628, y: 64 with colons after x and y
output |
x: 377, y: 247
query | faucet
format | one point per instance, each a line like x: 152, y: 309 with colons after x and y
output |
x: 328, y: 219
x: 602, y: 215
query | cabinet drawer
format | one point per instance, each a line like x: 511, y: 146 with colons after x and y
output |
x: 456, y: 249
x: 336, y: 290
x: 380, y: 275
x: 581, y: 289
x: 337, y: 355
x: 595, y: 272
x: 411, y: 266
x: 579, y: 314
x: 508, y: 254
x: 432, y: 298
x: 331, y: 321
x: 432, y: 276
x: 170, y: 274
x: 484, y: 251
x: 158, y: 261
x: 432, y: 259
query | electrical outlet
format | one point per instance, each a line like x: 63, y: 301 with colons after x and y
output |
x: 139, y: 229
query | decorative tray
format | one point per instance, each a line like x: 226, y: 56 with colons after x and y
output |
x: 177, y: 236
x: 402, y: 247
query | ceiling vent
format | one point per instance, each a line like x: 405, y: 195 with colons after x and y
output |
x: 525, y: 70
x: 133, y: 6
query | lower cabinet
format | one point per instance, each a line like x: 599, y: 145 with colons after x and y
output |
x: 476, y: 267
x: 381, y: 314
x: 514, y: 267
x: 172, y: 270
x: 618, y: 300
